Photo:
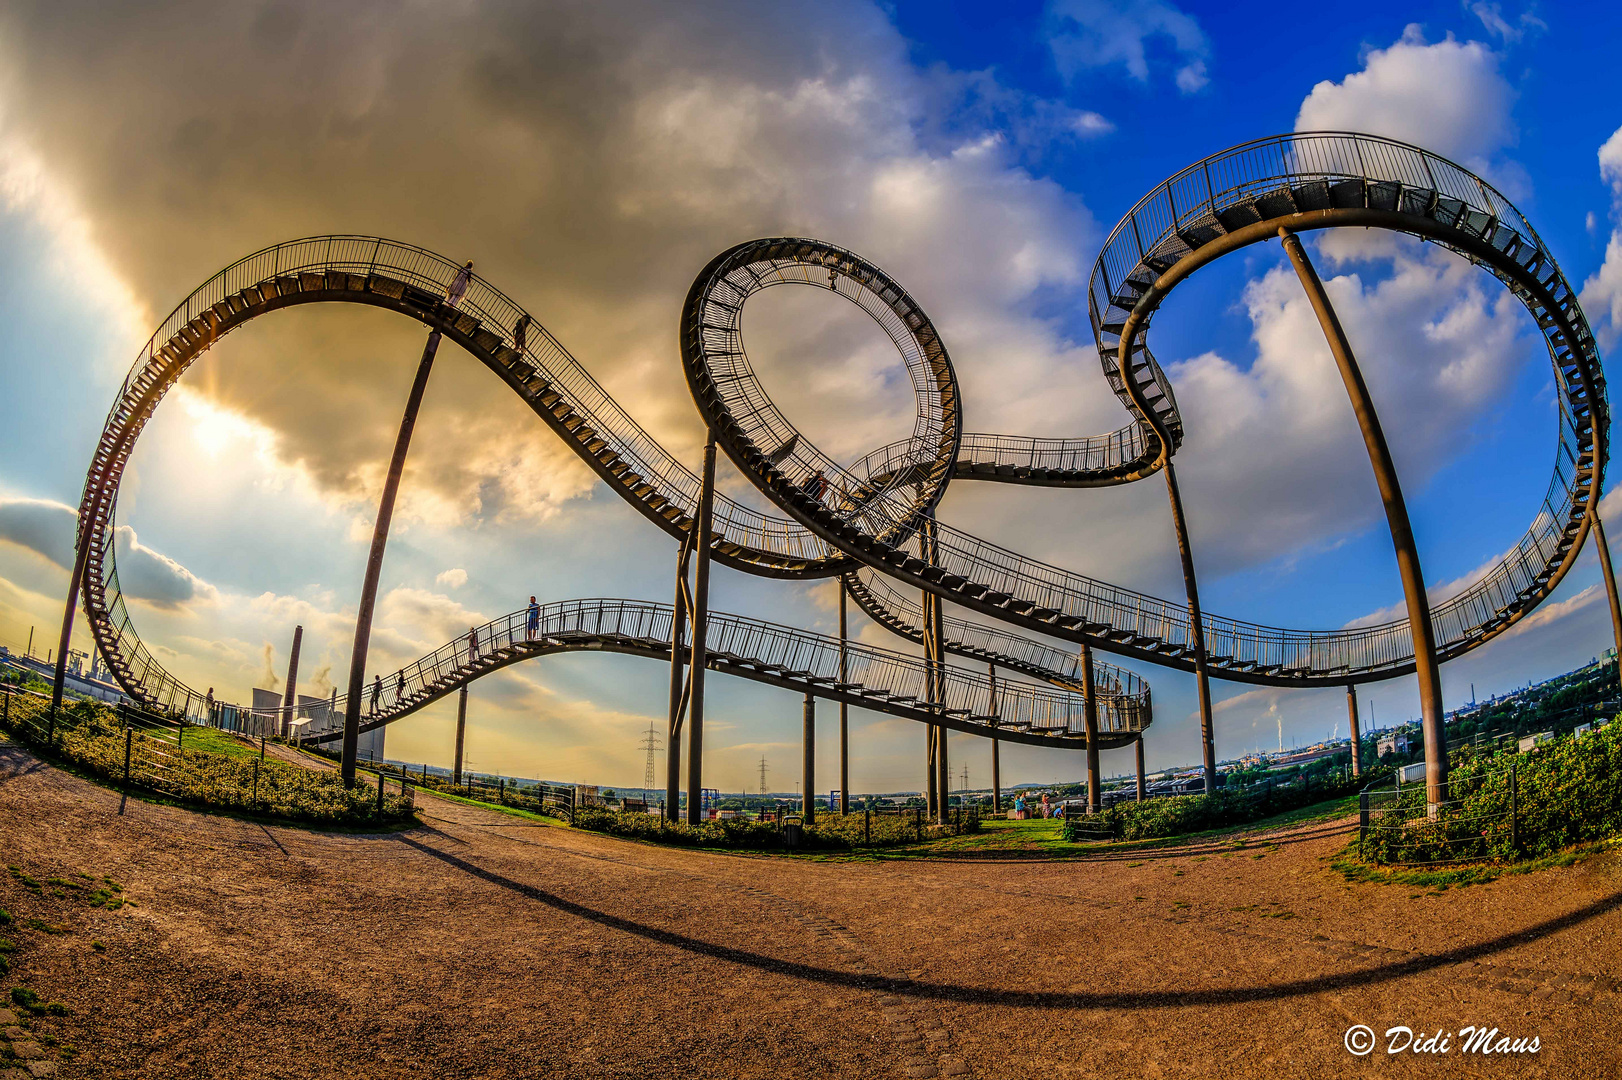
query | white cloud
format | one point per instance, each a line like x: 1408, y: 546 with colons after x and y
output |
x: 1492, y: 17
x: 1439, y: 345
x: 1602, y: 293
x: 451, y: 579
x: 1449, y: 97
x: 1104, y: 33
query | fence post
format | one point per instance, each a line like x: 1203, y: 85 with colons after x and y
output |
x: 918, y: 819
x: 867, y: 825
x: 1514, y: 810
x: 380, y: 791
x: 255, y: 784
x: 1362, y: 820
x: 501, y: 792
x: 129, y: 736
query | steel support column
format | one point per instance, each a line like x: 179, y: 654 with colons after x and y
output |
x: 1357, y: 737
x: 374, y: 562
x: 940, y: 780
x: 1138, y: 745
x: 996, y: 757
x: 844, y: 712
x: 75, y: 580
x: 808, y: 759
x: 1089, y: 709
x: 678, y: 687
x: 701, y: 620
x: 1396, y: 511
x: 1196, y: 626
x: 1604, y: 551
x: 461, y: 735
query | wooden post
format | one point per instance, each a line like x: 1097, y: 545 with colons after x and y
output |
x: 1138, y: 744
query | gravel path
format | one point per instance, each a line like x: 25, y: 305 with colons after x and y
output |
x: 480, y: 945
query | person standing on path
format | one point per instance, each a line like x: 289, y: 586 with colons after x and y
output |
x: 458, y: 289
x: 533, y: 623
x: 472, y: 646
x: 377, y: 691
x: 521, y: 333
x: 399, y: 686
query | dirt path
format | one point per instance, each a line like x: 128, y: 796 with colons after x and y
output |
x: 480, y: 945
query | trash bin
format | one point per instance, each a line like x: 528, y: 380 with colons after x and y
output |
x: 792, y: 835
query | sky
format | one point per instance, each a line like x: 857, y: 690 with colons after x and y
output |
x: 592, y: 157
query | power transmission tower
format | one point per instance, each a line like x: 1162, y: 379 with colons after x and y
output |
x: 763, y: 775
x: 650, y: 743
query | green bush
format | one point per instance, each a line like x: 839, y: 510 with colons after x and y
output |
x: 89, y: 735
x: 1179, y: 814
x: 1568, y: 792
x: 832, y: 832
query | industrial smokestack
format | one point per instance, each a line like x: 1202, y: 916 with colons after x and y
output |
x: 290, y: 702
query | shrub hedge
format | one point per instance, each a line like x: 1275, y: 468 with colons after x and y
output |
x: 832, y: 832
x: 1568, y: 792
x: 89, y: 735
x: 1179, y: 814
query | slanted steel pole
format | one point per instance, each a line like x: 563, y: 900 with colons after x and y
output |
x: 996, y: 758
x: 1396, y: 511
x: 844, y: 712
x: 1196, y: 626
x: 1357, y: 738
x: 290, y: 700
x: 461, y: 734
x: 75, y: 579
x: 1604, y: 551
x: 374, y: 563
x: 678, y: 689
x: 1089, y: 699
x: 1138, y: 744
x: 808, y: 759
x: 701, y: 621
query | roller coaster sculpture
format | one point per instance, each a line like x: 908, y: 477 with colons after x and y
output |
x: 872, y: 523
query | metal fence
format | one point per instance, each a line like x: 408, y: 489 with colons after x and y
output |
x: 142, y: 750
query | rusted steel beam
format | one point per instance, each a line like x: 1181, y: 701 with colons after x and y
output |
x: 1426, y: 666
x: 374, y: 562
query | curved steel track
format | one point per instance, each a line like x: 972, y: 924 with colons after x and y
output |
x: 871, y: 517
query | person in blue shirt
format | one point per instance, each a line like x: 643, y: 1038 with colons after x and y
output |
x: 533, y: 624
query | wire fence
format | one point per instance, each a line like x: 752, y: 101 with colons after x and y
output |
x: 162, y: 754
x: 1478, y: 822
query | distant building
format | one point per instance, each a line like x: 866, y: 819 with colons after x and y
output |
x: 1391, y: 744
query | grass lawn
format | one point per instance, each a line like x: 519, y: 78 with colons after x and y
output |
x: 210, y: 740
